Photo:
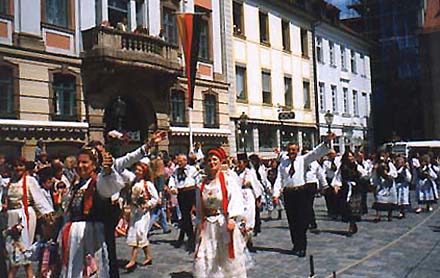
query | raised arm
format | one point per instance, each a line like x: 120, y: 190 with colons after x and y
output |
x: 320, y: 150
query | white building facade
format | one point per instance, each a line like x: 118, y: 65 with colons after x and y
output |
x: 271, y: 70
x: 343, y: 85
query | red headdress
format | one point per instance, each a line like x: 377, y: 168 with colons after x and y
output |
x: 218, y: 152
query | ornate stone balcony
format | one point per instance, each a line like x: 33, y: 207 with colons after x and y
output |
x: 104, y: 45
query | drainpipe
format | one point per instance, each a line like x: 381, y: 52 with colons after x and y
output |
x: 315, y: 72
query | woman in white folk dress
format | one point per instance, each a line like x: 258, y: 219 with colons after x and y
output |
x: 220, y: 249
x: 23, y: 199
x: 82, y: 240
x: 426, y: 188
x: 144, y: 198
x: 402, y: 185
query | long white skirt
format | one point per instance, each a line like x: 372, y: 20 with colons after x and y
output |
x: 18, y: 216
x: 138, y: 230
x: 212, y: 252
x: 86, y: 239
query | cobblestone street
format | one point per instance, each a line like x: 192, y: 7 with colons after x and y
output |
x: 397, y: 249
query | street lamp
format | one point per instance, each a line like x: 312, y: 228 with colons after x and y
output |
x: 119, y: 110
x: 328, y: 120
x: 243, y: 127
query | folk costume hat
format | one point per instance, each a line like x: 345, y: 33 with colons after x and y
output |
x: 242, y: 157
x: 218, y: 152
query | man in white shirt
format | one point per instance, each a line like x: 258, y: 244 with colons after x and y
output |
x: 291, y: 182
x: 183, y: 183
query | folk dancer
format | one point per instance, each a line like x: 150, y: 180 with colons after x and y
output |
x: 385, y: 194
x: 290, y: 181
x: 315, y: 180
x: 183, y: 183
x: 331, y: 165
x: 426, y: 189
x: 144, y: 198
x: 402, y: 185
x: 23, y: 199
x: 348, y: 194
x: 82, y: 238
x: 250, y: 188
x: 220, y: 248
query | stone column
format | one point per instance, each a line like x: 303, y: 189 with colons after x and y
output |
x: 101, y: 11
x: 131, y: 15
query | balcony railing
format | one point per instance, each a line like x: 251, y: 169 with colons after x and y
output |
x: 105, y: 41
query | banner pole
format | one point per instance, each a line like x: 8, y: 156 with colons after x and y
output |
x: 190, y: 130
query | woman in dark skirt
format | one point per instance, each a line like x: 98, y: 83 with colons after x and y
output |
x: 348, y: 194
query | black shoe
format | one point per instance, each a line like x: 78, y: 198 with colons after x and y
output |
x: 167, y: 232
x: 299, y: 253
x: 352, y: 229
x: 178, y: 243
x: 313, y: 226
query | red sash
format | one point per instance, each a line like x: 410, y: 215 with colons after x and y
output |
x: 25, y: 200
x: 65, y: 242
x: 225, y: 211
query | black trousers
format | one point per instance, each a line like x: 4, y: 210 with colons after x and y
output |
x: 330, y: 200
x: 297, y: 204
x: 187, y: 199
x: 257, y: 228
x: 109, y: 233
x: 311, y: 189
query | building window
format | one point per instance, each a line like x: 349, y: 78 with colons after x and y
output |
x: 204, y: 40
x: 169, y: 26
x: 267, y: 94
x: 363, y: 65
x: 321, y: 96
x: 264, y: 28
x: 6, y: 92
x: 355, y: 103
x: 334, y: 99
x: 238, y: 18
x: 343, y: 58
x: 306, y: 93
x: 64, y: 97
x: 288, y: 97
x: 285, y: 25
x: 240, y: 83
x: 56, y: 12
x: 332, y: 53
x: 304, y: 43
x: 267, y: 139
x: 178, y: 116
x: 353, y: 61
x: 117, y: 13
x: 366, y: 106
x: 319, y: 50
x: 5, y: 7
x: 210, y: 105
x: 345, y: 96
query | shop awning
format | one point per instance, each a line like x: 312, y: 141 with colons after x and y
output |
x: 42, y: 129
x: 203, y: 132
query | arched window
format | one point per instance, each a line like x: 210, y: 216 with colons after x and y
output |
x: 210, y: 110
x: 64, y: 97
x: 7, y: 104
x: 178, y: 116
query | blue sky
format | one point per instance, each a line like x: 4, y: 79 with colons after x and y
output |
x: 341, y: 4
